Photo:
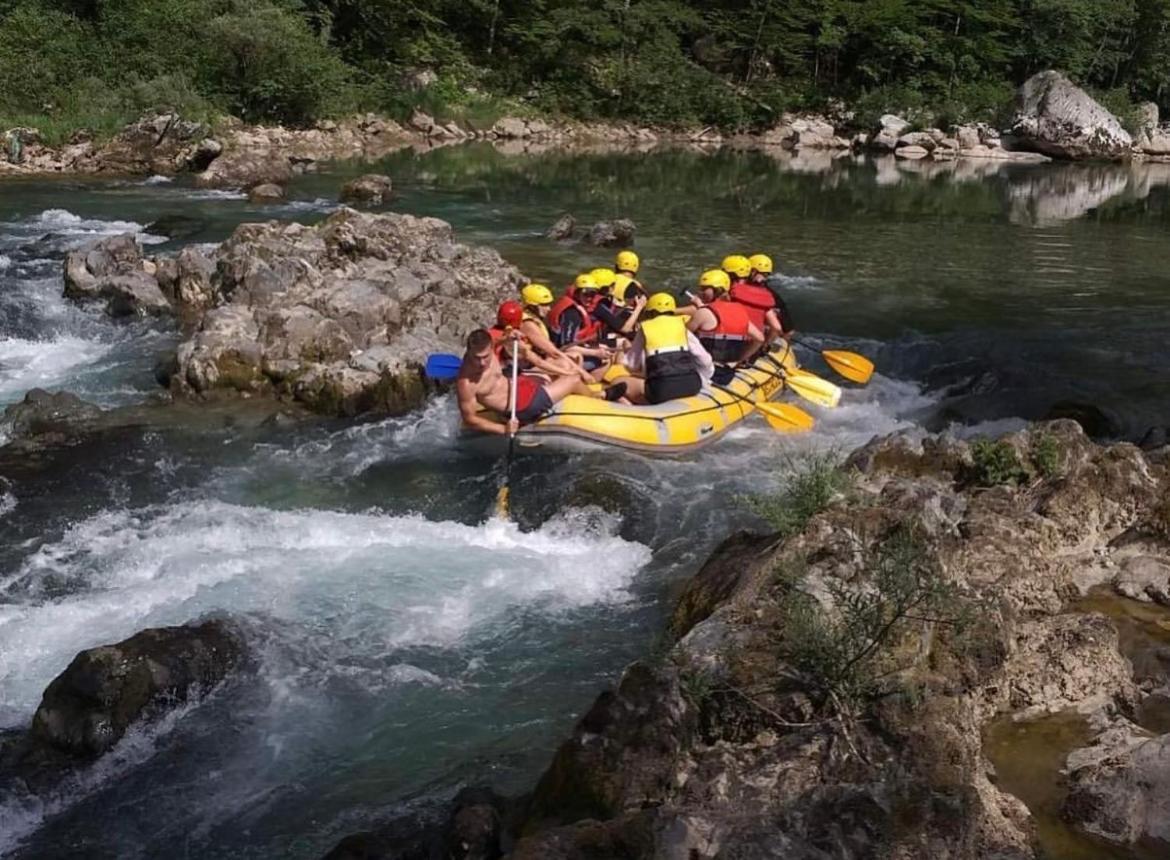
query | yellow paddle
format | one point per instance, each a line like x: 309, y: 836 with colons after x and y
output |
x: 781, y: 417
x: 854, y: 367
x: 812, y: 388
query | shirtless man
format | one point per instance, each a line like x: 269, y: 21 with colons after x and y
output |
x: 481, y: 382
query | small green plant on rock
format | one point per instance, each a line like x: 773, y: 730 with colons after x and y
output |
x: 843, y: 643
x: 995, y: 463
x: 811, y: 485
x: 1046, y: 455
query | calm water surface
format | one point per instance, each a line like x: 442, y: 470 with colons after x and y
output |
x: 403, y: 644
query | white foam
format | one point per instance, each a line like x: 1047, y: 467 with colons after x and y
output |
x: 387, y: 582
x: 5, y: 262
x: 158, y: 180
x: 66, y: 222
x: 26, y: 364
x: 215, y: 194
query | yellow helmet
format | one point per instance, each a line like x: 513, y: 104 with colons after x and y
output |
x: 604, y: 277
x: 585, y: 282
x: 536, y: 294
x: 663, y: 303
x: 762, y: 263
x: 621, y: 283
x: 626, y: 261
x: 737, y: 265
x: 716, y: 279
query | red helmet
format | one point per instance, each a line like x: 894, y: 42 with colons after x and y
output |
x: 510, y: 315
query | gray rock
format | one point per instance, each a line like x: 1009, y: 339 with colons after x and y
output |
x: 562, y: 229
x: 155, y: 143
x: 1144, y: 578
x: 423, y: 122
x: 48, y: 418
x: 911, y: 152
x: 373, y: 189
x: 88, y: 707
x: 113, y: 270
x: 609, y: 234
x: 1119, y: 788
x: 511, y: 128
x: 339, y: 316
x: 267, y: 192
x: 1059, y: 119
x: 246, y: 168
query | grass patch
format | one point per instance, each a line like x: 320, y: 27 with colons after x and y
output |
x: 809, y: 488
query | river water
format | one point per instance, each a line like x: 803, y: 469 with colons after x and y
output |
x: 404, y: 644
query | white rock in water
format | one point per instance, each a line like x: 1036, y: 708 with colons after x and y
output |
x: 1058, y: 118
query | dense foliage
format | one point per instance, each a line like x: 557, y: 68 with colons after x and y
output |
x: 733, y: 63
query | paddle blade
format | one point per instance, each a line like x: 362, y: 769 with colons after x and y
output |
x: 443, y: 366
x: 502, y: 500
x: 854, y: 367
x: 786, y: 418
x: 812, y: 388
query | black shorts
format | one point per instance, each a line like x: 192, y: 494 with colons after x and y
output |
x: 661, y: 389
x: 540, y: 404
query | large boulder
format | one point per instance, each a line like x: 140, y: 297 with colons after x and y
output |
x: 245, y: 167
x: 1119, y: 788
x: 372, y: 189
x: 1056, y: 117
x: 89, y: 707
x: 562, y: 229
x: 155, y: 143
x: 340, y: 316
x: 113, y: 270
x: 186, y: 280
x: 45, y: 418
x: 611, y: 234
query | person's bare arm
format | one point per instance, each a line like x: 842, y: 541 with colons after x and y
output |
x: 773, y: 321
x: 469, y: 411
x: 629, y: 325
x: 755, y: 341
x: 700, y: 318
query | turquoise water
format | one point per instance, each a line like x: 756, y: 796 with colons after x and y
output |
x: 404, y: 644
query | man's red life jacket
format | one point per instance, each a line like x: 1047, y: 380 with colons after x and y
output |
x: 757, y: 300
x: 725, y: 342
x: 589, y: 330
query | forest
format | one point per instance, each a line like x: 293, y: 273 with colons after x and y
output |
x: 734, y: 64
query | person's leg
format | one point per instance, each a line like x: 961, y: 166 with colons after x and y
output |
x: 561, y: 388
x: 635, y: 388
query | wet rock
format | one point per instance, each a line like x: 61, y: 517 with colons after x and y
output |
x: 1145, y: 578
x: 267, y: 192
x: 472, y: 830
x: 1154, y: 438
x: 1057, y: 118
x: 736, y: 559
x: 177, y: 226
x: 610, y: 234
x: 155, y: 143
x: 241, y: 167
x: 372, y: 189
x: 46, y: 418
x: 1119, y: 788
x: 88, y: 707
x: 562, y: 229
x: 342, y: 315
x: 113, y: 270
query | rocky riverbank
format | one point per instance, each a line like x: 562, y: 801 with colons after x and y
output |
x: 828, y: 689
x: 1053, y: 118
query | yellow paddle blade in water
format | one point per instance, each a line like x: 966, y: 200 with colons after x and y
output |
x: 786, y: 418
x: 812, y: 388
x: 854, y: 367
x: 502, y: 503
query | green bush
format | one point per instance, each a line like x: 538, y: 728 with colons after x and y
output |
x: 1046, y: 455
x: 268, y: 65
x: 809, y: 487
x: 42, y: 54
x: 844, y: 648
x: 995, y: 463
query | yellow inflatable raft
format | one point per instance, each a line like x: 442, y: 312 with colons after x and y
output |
x: 671, y: 427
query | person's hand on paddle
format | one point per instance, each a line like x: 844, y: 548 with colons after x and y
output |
x: 513, y: 426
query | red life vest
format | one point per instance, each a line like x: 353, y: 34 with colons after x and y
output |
x: 589, y: 330
x: 757, y: 300
x: 501, y: 346
x: 725, y: 342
